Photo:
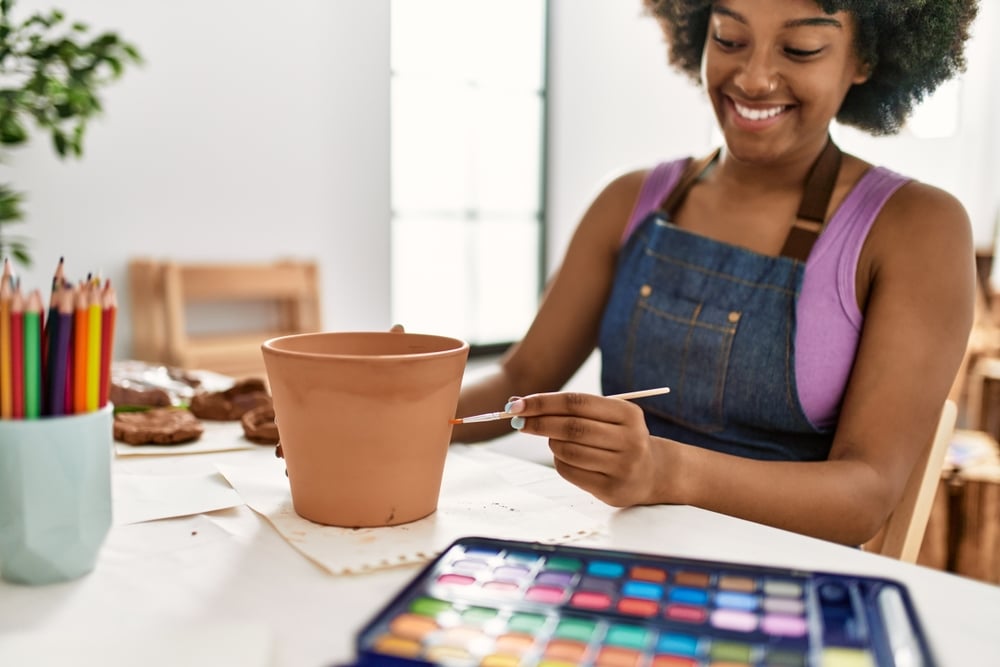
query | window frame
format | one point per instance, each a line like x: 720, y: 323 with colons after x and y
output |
x: 469, y: 215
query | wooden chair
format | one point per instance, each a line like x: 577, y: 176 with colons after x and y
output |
x: 282, y: 296
x: 980, y: 364
x: 903, y: 532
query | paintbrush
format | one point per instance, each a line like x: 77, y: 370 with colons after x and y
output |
x: 494, y: 416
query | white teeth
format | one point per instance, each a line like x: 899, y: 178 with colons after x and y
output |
x: 757, y: 114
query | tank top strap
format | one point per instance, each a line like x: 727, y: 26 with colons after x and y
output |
x: 662, y: 178
x: 692, y: 172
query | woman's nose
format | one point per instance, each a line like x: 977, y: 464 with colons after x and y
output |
x: 757, y: 77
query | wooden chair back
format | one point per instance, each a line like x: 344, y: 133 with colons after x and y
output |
x: 164, y: 294
x: 903, y: 532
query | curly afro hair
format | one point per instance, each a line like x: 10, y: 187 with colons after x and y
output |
x: 912, y: 46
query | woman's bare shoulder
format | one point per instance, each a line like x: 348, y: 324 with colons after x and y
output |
x: 624, y: 185
x: 914, y: 204
x: 610, y: 210
x: 922, y: 229
x: 924, y: 218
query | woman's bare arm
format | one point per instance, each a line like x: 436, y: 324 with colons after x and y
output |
x: 919, y: 267
x: 564, y: 332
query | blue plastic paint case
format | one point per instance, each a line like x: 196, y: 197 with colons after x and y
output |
x: 500, y: 603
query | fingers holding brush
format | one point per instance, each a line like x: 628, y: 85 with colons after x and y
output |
x: 553, y: 403
x: 599, y: 443
x: 610, y: 409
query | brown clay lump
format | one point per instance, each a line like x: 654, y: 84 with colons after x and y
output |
x: 259, y: 425
x: 157, y: 426
x: 231, y: 404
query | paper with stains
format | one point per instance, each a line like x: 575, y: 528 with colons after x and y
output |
x: 474, y: 501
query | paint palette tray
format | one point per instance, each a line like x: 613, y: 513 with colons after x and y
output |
x: 500, y: 603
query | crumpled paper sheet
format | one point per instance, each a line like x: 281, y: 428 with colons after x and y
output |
x: 473, y: 501
x: 138, y: 498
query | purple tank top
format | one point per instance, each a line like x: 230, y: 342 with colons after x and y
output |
x: 828, y: 325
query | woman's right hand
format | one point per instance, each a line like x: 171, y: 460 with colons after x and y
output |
x: 599, y: 443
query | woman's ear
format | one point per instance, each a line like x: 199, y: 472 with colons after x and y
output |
x: 863, y: 74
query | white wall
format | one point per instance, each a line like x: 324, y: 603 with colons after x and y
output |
x: 254, y: 130
x: 261, y: 129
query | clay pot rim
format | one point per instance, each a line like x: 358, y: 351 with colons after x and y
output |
x: 459, y: 346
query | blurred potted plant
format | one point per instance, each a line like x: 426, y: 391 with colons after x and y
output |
x: 51, y: 71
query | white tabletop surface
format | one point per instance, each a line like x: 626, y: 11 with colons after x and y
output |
x: 224, y: 588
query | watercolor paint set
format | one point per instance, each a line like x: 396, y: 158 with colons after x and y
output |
x: 499, y: 603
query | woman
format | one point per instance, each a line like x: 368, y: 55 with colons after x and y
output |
x: 807, y: 369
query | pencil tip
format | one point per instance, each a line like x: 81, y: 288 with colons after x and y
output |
x: 454, y: 421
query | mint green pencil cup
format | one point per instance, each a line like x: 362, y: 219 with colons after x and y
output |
x: 55, y: 495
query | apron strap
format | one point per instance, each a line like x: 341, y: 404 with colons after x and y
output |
x: 815, y: 201
x: 811, y: 216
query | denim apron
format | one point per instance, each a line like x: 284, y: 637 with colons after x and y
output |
x: 716, y: 323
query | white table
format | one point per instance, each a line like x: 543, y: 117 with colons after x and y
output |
x: 226, y: 588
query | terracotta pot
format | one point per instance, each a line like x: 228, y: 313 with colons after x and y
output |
x: 363, y: 421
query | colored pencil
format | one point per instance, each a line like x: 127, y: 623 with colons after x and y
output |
x: 53, y: 314
x: 55, y: 358
x: 8, y: 273
x: 60, y: 355
x: 109, y: 311
x: 81, y: 329
x: 94, y: 321
x: 58, y: 278
x: 69, y: 391
x: 6, y: 388
x: 33, y: 356
x: 494, y: 416
x: 17, y: 355
x: 50, y: 338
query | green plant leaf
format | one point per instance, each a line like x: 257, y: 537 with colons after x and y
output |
x: 59, y: 142
x: 10, y: 205
x: 12, y: 131
x: 20, y: 253
x: 51, y: 75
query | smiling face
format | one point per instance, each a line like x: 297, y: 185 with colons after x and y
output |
x: 776, y: 72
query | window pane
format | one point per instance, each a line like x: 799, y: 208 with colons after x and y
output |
x: 510, y: 42
x: 430, y: 146
x: 427, y: 36
x: 430, y: 264
x: 470, y: 40
x: 508, y: 151
x: 506, y: 278
x: 466, y: 147
x: 477, y: 277
x: 467, y: 122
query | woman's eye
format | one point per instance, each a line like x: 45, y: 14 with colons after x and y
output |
x: 725, y: 43
x: 801, y: 53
